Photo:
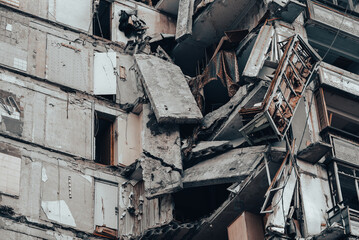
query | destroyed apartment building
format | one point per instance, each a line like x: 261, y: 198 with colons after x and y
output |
x: 179, y: 119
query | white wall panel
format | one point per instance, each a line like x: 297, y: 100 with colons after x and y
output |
x: 106, y: 202
x: 10, y: 168
x: 104, y: 76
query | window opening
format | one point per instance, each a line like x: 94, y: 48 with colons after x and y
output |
x: 104, y: 139
x: 336, y: 111
x: 102, y: 19
x: 344, y: 185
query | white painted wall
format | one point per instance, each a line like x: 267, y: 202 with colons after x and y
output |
x: 106, y: 200
x: 104, y: 75
x: 73, y: 13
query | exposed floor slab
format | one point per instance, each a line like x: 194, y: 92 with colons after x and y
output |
x: 232, y: 166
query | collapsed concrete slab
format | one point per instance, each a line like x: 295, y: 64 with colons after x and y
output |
x: 228, y: 129
x: 206, y: 148
x: 314, y: 152
x: 167, y: 90
x: 213, y: 119
x: 162, y: 162
x: 159, y: 179
x: 161, y: 141
x: 232, y: 166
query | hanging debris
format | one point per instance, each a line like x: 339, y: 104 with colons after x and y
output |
x: 131, y: 25
x: 273, y: 116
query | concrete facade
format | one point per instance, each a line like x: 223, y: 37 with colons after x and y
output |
x: 176, y: 119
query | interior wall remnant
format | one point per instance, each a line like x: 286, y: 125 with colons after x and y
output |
x: 161, y: 161
x: 161, y: 140
x: 156, y: 22
x: 130, y: 89
x: 140, y: 213
x: 129, y: 145
x: 247, y: 226
x: 159, y: 180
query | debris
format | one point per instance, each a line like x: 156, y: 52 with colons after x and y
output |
x: 184, y: 19
x: 314, y: 152
x: 232, y: 166
x: 167, y: 90
x: 131, y: 25
x: 106, y: 232
x: 273, y: 116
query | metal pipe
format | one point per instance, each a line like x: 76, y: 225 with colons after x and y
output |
x: 339, y: 190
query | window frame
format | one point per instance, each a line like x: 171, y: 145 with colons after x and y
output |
x: 336, y: 185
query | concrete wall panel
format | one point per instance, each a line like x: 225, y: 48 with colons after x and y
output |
x: 69, y: 121
x: 67, y: 64
x: 48, y: 117
x: 10, y: 168
x: 74, y: 13
x: 69, y: 190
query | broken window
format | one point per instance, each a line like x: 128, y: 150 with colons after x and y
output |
x: 335, y: 112
x: 344, y: 185
x: 102, y: 19
x: 104, y: 138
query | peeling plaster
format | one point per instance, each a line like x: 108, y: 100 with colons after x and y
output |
x: 88, y: 178
x: 58, y: 211
x: 44, y: 175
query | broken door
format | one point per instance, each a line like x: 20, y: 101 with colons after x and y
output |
x: 106, y: 204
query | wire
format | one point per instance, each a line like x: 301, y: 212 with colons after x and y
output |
x: 326, y: 53
x: 99, y: 24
